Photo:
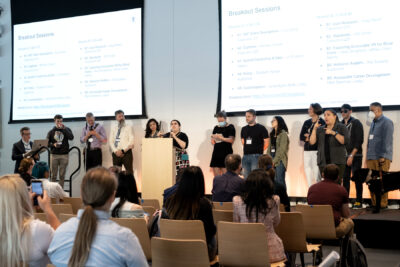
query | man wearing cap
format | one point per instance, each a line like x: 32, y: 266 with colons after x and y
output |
x: 354, y: 152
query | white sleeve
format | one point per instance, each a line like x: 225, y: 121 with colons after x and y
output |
x: 111, y: 140
x: 42, y: 234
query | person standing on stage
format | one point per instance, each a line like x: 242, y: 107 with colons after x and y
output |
x: 94, y: 135
x: 255, y: 140
x: 22, y: 148
x: 222, y: 139
x: 59, y: 148
x: 121, y: 143
x: 311, y: 169
x: 380, y: 145
x: 354, y: 151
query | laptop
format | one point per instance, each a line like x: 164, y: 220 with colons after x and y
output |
x: 37, y: 144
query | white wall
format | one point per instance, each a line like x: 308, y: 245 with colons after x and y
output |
x: 181, y: 66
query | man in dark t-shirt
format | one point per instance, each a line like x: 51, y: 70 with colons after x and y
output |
x: 329, y: 192
x: 255, y: 140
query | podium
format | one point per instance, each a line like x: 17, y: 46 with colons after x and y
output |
x: 158, y: 167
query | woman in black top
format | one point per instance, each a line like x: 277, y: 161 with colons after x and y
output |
x: 310, y: 151
x: 189, y: 203
x: 222, y: 138
x: 152, y: 129
x: 180, y: 143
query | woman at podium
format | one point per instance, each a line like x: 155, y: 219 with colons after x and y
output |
x: 180, y: 143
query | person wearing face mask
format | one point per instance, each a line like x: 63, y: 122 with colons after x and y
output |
x: 121, y: 143
x: 331, y: 139
x: 58, y: 143
x: 354, y: 152
x: 94, y: 135
x: 380, y: 145
x: 255, y: 141
x: 180, y: 143
x: 222, y: 138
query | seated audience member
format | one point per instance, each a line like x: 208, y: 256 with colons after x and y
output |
x: 25, y: 170
x: 126, y: 203
x: 171, y: 190
x: 23, y: 238
x: 91, y: 239
x: 189, y: 203
x: 229, y: 184
x: 265, y: 162
x: 41, y: 172
x: 329, y: 192
x: 259, y: 204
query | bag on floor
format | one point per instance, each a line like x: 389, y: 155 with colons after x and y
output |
x: 356, y: 256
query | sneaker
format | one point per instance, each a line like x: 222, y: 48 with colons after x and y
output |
x: 357, y: 205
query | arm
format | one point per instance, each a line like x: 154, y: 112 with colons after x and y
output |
x: 50, y: 138
x: 181, y: 143
x: 313, y: 137
x: 84, y: 136
x: 345, y: 211
x: 388, y: 140
x: 44, y: 204
x: 282, y: 143
x: 266, y: 143
x: 102, y: 135
x: 112, y: 140
x: 130, y: 139
x: 68, y: 133
x: 16, y: 153
x: 303, y: 132
x: 276, y: 217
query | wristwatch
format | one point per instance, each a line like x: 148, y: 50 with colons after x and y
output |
x: 335, y: 133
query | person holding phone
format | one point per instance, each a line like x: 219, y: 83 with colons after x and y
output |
x: 26, y: 239
x: 331, y: 139
x: 59, y: 148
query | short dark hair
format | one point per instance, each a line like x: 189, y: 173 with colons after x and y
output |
x: 220, y: 114
x: 346, y: 106
x: 89, y: 115
x: 331, y: 172
x: 376, y: 104
x: 179, y: 123
x: 316, y: 108
x: 251, y: 111
x: 58, y: 117
x: 24, y: 129
x: 232, y: 162
x: 331, y: 110
x: 119, y: 111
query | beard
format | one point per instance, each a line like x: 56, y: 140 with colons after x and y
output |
x: 121, y: 123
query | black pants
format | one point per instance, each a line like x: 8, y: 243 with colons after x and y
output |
x: 357, y: 162
x: 126, y: 160
x: 93, y: 158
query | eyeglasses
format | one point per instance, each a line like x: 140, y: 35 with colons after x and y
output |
x: 344, y: 111
x: 26, y: 134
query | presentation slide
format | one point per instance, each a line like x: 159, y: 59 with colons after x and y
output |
x: 284, y: 55
x: 75, y: 65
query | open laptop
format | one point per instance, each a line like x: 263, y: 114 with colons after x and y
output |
x: 38, y: 143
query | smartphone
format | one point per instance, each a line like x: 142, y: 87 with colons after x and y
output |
x: 37, y: 187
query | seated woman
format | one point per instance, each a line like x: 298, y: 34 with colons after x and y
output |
x: 23, y: 238
x: 54, y: 190
x: 126, y: 203
x: 91, y: 239
x: 258, y: 204
x: 25, y: 170
x: 265, y: 162
x: 189, y: 203
x: 152, y: 129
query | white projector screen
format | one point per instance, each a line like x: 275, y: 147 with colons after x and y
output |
x: 75, y: 65
x: 283, y: 55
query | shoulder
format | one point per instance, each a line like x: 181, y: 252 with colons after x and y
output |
x: 237, y: 201
x: 41, y: 229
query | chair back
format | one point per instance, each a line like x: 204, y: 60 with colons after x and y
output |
x: 40, y: 216
x: 319, y: 222
x: 76, y: 203
x: 63, y: 217
x: 62, y: 208
x: 150, y: 202
x: 179, y: 253
x: 139, y: 227
x: 291, y: 231
x: 54, y: 200
x: 223, y: 205
x: 222, y: 215
x: 150, y: 211
x: 242, y: 244
x: 182, y: 229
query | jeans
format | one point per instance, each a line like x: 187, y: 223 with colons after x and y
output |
x: 357, y: 162
x: 280, y: 172
x: 249, y: 163
x: 58, y: 162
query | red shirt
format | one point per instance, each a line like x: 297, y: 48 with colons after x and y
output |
x: 328, y: 192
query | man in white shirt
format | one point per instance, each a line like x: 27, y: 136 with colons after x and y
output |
x: 121, y: 143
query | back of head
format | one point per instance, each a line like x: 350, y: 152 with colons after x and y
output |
x: 25, y: 164
x: 265, y: 162
x: 126, y: 191
x: 317, y: 108
x: 184, y: 204
x: 331, y: 172
x: 232, y: 162
x: 40, y: 170
x: 16, y: 215
x: 258, y: 188
x: 98, y: 186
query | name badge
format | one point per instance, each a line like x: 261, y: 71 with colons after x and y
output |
x: 248, y: 141
x: 90, y: 139
x: 371, y: 136
x: 272, y: 150
x: 117, y: 139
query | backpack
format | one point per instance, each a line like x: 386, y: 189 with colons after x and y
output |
x: 356, y: 256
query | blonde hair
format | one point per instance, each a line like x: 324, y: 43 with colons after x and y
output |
x: 98, y: 185
x: 16, y: 215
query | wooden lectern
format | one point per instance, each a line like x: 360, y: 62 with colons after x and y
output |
x: 158, y: 167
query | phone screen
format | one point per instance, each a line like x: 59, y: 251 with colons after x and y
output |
x: 37, y: 187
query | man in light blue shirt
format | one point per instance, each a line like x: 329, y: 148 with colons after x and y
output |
x: 112, y: 245
x: 380, y: 145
